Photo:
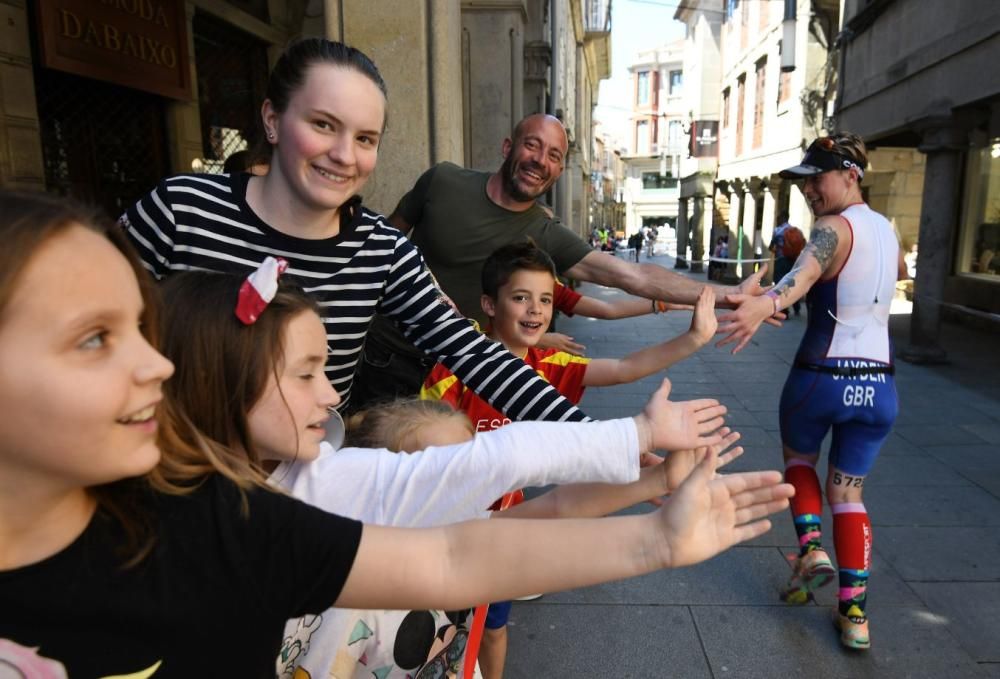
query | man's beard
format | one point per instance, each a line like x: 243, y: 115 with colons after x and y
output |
x: 508, y: 175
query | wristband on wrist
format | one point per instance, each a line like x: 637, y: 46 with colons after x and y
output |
x: 655, y: 310
x: 774, y: 298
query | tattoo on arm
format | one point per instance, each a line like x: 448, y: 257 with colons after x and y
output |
x: 822, y: 245
x: 786, y: 283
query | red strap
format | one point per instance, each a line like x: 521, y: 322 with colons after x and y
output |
x: 475, y: 640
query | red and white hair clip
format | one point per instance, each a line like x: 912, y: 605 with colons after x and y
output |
x: 259, y: 289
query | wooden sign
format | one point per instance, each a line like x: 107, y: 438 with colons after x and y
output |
x: 136, y: 43
x: 704, y: 142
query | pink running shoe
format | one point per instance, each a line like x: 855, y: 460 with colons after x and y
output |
x: 810, y: 572
x: 853, y: 628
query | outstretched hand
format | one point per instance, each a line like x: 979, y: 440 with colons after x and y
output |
x: 679, y: 464
x: 740, y: 324
x: 707, y: 516
x: 670, y: 471
x: 683, y: 424
x: 561, y: 342
x: 751, y: 284
x: 703, y: 321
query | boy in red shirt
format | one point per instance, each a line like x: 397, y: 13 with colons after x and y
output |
x: 519, y: 289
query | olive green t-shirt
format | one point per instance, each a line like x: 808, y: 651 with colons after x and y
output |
x: 457, y: 226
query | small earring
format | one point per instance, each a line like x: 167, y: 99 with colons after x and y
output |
x: 270, y: 136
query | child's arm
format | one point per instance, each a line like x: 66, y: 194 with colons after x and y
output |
x: 623, y: 308
x: 639, y: 364
x: 582, y: 500
x: 456, y: 566
x: 596, y: 308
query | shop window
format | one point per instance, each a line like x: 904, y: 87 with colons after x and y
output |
x: 979, y: 245
x: 101, y: 143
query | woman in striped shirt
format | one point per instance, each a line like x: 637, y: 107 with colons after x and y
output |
x: 323, y: 119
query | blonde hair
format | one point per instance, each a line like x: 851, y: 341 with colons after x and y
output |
x: 390, y: 425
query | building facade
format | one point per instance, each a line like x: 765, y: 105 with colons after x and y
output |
x: 932, y: 102
x: 656, y: 139
x: 607, y: 183
x: 101, y: 100
x: 700, y: 99
x: 768, y: 116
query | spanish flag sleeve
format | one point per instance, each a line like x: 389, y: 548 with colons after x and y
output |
x: 442, y: 385
x: 563, y: 371
x: 565, y: 298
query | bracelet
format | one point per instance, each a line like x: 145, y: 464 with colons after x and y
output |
x: 655, y: 310
x: 774, y: 297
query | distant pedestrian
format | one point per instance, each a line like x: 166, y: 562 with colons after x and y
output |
x: 842, y: 377
x: 723, y: 256
x: 651, y: 237
x: 635, y: 243
x: 713, y: 266
x: 786, y: 244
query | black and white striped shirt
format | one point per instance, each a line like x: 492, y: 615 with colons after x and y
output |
x: 204, y: 222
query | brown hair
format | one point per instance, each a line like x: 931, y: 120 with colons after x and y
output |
x: 848, y: 145
x: 389, y: 425
x: 222, y: 366
x: 289, y: 73
x: 28, y: 221
x: 505, y: 261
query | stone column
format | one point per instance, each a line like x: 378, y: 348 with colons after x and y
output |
x: 749, y: 224
x: 697, y: 230
x: 735, y: 214
x: 942, y: 143
x: 799, y: 213
x: 767, y: 225
x: 418, y: 49
x: 682, y: 234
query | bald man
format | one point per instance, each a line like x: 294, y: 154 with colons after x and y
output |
x: 458, y: 217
